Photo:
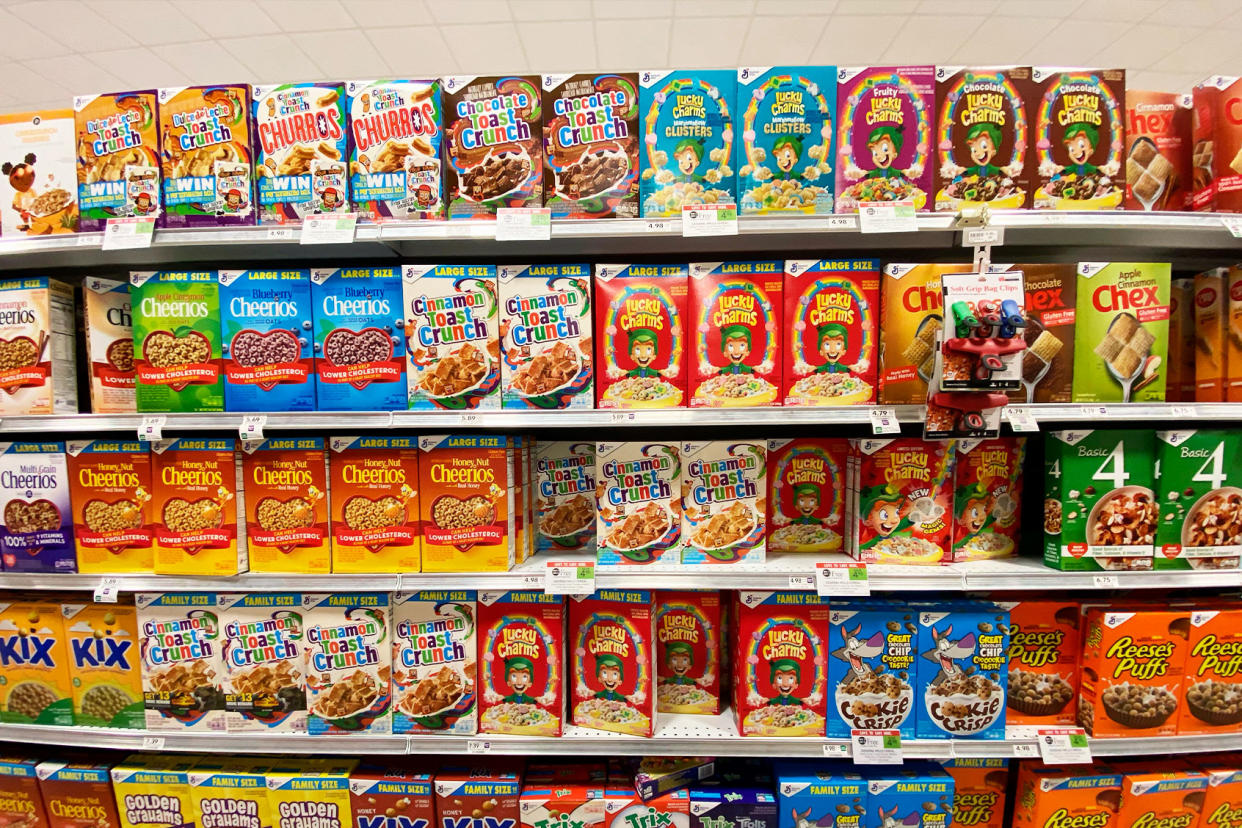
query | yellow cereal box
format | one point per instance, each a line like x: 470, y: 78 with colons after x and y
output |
x: 374, y: 504
x: 154, y: 792
x: 103, y: 658
x: 197, y: 485
x: 34, y: 665
x: 910, y: 318
x: 312, y: 797
x: 468, y: 502
x: 182, y: 671
x: 231, y: 796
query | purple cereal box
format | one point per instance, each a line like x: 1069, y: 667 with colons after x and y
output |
x: 36, y: 524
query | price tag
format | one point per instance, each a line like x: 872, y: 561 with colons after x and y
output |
x: 1021, y: 418
x: 152, y: 742
x: 1090, y: 411
x: 983, y: 236
x: 569, y: 577
x: 846, y: 578
x: 106, y: 592
x: 478, y: 746
x: 251, y: 429
x: 801, y: 581
x: 836, y: 750
x: 128, y: 233
x: 709, y: 220
x: 659, y: 226
x: 152, y: 428
x: 876, y: 747
x: 884, y: 421
x: 532, y: 582
x: 1184, y: 412
x: 842, y: 222
x: 1106, y: 581
x: 89, y: 240
x: 887, y: 217
x: 1064, y: 746
x: 471, y: 418
x: 621, y: 417
x: 1233, y: 224
x: 329, y: 229
x: 1026, y: 751
x: 523, y: 224
x: 279, y: 233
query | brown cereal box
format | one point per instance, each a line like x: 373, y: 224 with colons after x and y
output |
x: 613, y: 684
x: 735, y: 309
x: 565, y: 496
x: 1048, y: 362
x: 182, y: 668
x: 105, y: 664
x: 38, y: 183
x: 1212, y: 681
x: 806, y: 494
x: 1181, y: 382
x: 1044, y: 644
x: 77, y: 794
x: 109, y: 345
x: 348, y: 662
x: 467, y: 506
x: 34, y: 674
x: 521, y: 647
x: 1216, y: 145
x: 21, y: 805
x: 987, y: 499
x: 910, y: 317
x: 286, y: 505
x: 1078, y: 121
x: 197, y: 483
x: 545, y: 326
x: 638, y: 503
x: 901, y: 491
x: 37, y: 333
x: 1211, y: 307
x: 1158, y: 152
x: 208, y: 172
x: 724, y: 495
x: 1233, y: 339
x: 640, y: 320
x: 262, y: 651
x: 118, y: 157
x: 374, y: 504
x: 110, y: 487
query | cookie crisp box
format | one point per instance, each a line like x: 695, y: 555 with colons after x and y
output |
x: 962, y: 671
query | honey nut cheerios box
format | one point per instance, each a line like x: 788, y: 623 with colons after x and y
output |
x: 109, y: 324
x: 34, y: 675
x: 348, y: 666
x: 359, y: 352
x: 182, y: 665
x: 394, y: 162
x: 690, y: 656
x: 208, y: 172
x: 911, y: 315
x: 638, y: 503
x: 36, y: 522
x: 546, y: 342
x: 564, y: 482
x: 153, y: 791
x: 177, y: 349
x: 198, y: 496
x: 434, y: 656
x: 77, y: 794
x: 724, y: 496
x: 286, y: 514
x: 39, y: 193
x: 261, y: 647
x: 230, y: 794
x: 901, y: 499
x: 37, y: 356
x: 118, y: 157
x: 105, y: 664
x: 373, y: 494
x: 301, y: 151
x: 734, y: 332
x: 807, y: 494
x: 640, y: 325
x: 521, y: 646
x: 613, y: 688
x: 468, y: 504
x: 20, y: 802
x: 1199, y: 494
x: 110, y: 487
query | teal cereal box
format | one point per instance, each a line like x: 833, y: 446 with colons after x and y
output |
x: 1199, y: 490
x: 546, y: 342
x: 182, y: 669
x: 434, y: 656
x: 262, y: 648
x: 452, y: 335
x: 301, y: 151
x: 564, y: 483
x: 348, y: 662
x: 395, y: 149
x: 734, y: 332
x: 787, y: 115
x: 638, y: 503
x: 1121, y: 333
x: 724, y: 495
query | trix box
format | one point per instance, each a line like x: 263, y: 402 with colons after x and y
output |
x: 568, y: 803
x: 962, y: 675
x: 917, y: 796
x: 820, y: 794
x: 478, y: 796
x: 391, y: 798
x: 624, y: 808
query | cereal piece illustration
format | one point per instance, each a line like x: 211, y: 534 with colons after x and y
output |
x: 735, y: 308
x: 182, y: 668
x: 983, y: 147
x: 1078, y: 125
x: 806, y: 494
x: 723, y: 502
x: 612, y: 632
x: 452, y: 334
x: 688, y: 140
x: 831, y: 313
x: 117, y: 157
x: 904, y: 494
x: 591, y: 146
x: 521, y: 645
x: 208, y: 173
x: 395, y: 149
x: 469, y: 504
x: 301, y: 151
x: 640, y: 315
x: 546, y: 336
x: 780, y: 669
x: 638, y: 503
x: 348, y: 662
x: 688, y: 652
x: 565, y: 495
x: 434, y: 656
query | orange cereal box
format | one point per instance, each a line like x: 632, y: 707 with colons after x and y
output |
x: 374, y: 504
x: 1212, y: 684
x: 735, y: 333
x: 910, y: 317
x: 110, y: 487
x: 1044, y: 644
x: 521, y: 661
x: 613, y: 660
x: 77, y: 794
x: 640, y: 323
x: 1060, y: 797
x: 21, y: 806
x: 806, y: 494
x: 1152, y: 797
x: 287, y: 505
x: 468, y: 505
x: 103, y: 661
x: 978, y: 792
x: 208, y: 174
x: 688, y: 651
x: 197, y: 483
x: 724, y: 495
x: 1222, y: 803
x: 34, y: 667
x: 118, y: 146
x: 1211, y: 334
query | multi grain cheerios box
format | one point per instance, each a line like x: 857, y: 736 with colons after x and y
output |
x: 153, y: 791
x: 1078, y: 119
x: 987, y: 499
x: 831, y: 317
x: 105, y: 664
x: 36, y: 522
x: 640, y: 324
x: 262, y: 651
x: 359, y: 356
x: 286, y: 513
x: 35, y: 673
x: 374, y: 504
x: 638, y: 503
x: 565, y: 496
x: 1199, y: 494
x: 911, y: 316
x: 1121, y: 335
x: 724, y: 496
x: 734, y: 333
x: 37, y: 338
x: 467, y: 504
x: 873, y: 653
x: 547, y: 344
x: 901, y: 500
x: 806, y: 494
x: 962, y: 671
x: 266, y: 340
x: 110, y: 487
x: 38, y: 187
x: 230, y: 794
x: 394, y: 169
x: 301, y: 151
x: 109, y: 345
x: 521, y: 649
x: 348, y: 652
x: 77, y: 794
x: 177, y: 357
x: 613, y: 682
x: 182, y: 666
x: 118, y: 157
x: 434, y: 658
x: 208, y: 174
x: 197, y: 498
x: 689, y: 651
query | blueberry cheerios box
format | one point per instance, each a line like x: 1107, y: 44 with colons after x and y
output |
x: 962, y: 671
x: 359, y: 352
x: 267, y: 340
x: 452, y: 333
x: 547, y: 344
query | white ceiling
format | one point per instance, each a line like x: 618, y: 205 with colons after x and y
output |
x: 53, y: 49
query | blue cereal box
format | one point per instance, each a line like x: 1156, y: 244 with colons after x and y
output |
x: 301, y: 151
x: 820, y: 795
x: 687, y: 139
x: 962, y: 671
x: 267, y: 340
x: 36, y: 523
x: 452, y: 335
x: 359, y: 352
x: 395, y: 165
x: 916, y: 796
x: 730, y: 805
x: 787, y: 115
x: 871, y: 669
x: 547, y: 343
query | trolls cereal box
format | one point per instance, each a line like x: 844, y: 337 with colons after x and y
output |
x: 301, y: 151
x: 640, y: 319
x: 467, y: 506
x: 38, y: 183
x: 911, y: 318
x: 1158, y: 151
x: 1161, y: 797
x: 387, y: 797
x: 806, y: 494
x: 787, y: 115
x: 153, y: 791
x: 264, y: 657
x: 286, y: 510
x: 1121, y: 332
x: 565, y: 496
x: 1078, y: 118
x: 688, y: 139
x: 195, y: 505
x: 1199, y: 492
x: 489, y: 790
x: 182, y: 664
x: 1050, y: 308
x: 493, y: 144
x: 348, y: 662
x: 104, y: 664
x: 984, y: 153
x: 452, y: 335
x: 884, y: 143
x: 118, y: 147
x: 638, y: 503
x: 37, y: 346
x: 962, y: 671
x: 979, y: 788
x: 1212, y: 681
x: 733, y: 802
x: 916, y: 796
x: 177, y: 348
x: 612, y: 632
x: 266, y: 340
x: 735, y: 309
x: 830, y: 320
x: 779, y: 671
x: 109, y: 333
x: 359, y: 357
x: 902, y: 489
x: 521, y: 655
x: 987, y: 498
x: 547, y: 344
x: 76, y: 794
x: 1044, y: 643
x: 394, y: 170
x: 1048, y: 794
x: 1216, y: 153
x: 110, y: 488
x: 591, y: 145
x: 871, y: 669
x: 36, y: 669
x: 374, y: 504
x: 724, y: 495
x: 688, y: 639
x: 208, y: 174
x: 433, y: 662
x: 231, y: 794
x: 36, y: 523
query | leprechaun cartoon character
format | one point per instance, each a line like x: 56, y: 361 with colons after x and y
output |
x: 978, y: 509
x: 688, y: 154
x: 785, y: 676
x: 1080, y: 142
x: 643, y: 350
x: 518, y: 673
x: 833, y: 340
x: 983, y: 140
x: 885, y: 143
x: 679, y: 659
x: 735, y: 345
x: 786, y: 151
x: 610, y: 673
x: 884, y: 511
x: 806, y: 501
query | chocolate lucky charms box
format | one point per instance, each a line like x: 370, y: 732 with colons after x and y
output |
x: 1079, y: 120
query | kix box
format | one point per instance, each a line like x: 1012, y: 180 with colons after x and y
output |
x: 20, y: 803
x: 919, y: 795
x: 34, y: 673
x: 77, y: 794
x: 478, y: 796
x: 1071, y: 795
x: 153, y: 791
x: 382, y: 797
x: 978, y: 792
x: 103, y: 655
x: 819, y: 793
x: 315, y: 795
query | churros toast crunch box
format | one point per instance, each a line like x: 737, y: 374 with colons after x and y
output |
x: 452, y: 334
x: 262, y: 651
x: 301, y: 151
x: 521, y: 655
x: 640, y: 323
x: 36, y: 667
x: 118, y: 153
x: 546, y: 336
x: 208, y: 172
x: 105, y: 664
x: 110, y: 487
x: 286, y: 509
x: 467, y: 504
x: 374, y: 504
x: 736, y: 310
x: 830, y: 318
x: 182, y: 668
x: 394, y: 167
x: 348, y: 662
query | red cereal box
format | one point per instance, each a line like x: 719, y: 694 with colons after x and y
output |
x: 831, y: 314
x: 734, y: 331
x: 902, y: 492
x: 688, y: 651
x: 1212, y: 683
x: 521, y: 647
x: 779, y: 672
x: 611, y: 631
x: 640, y: 331
x: 384, y: 797
x: 476, y: 796
x: 77, y: 794
x: 1158, y: 155
x: 1044, y: 645
x: 21, y: 806
x: 987, y: 499
x: 806, y: 494
x: 624, y: 808
x: 562, y: 802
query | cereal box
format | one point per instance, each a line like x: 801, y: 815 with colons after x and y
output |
x: 640, y: 316
x: 153, y: 791
x: 77, y: 794
x: 1050, y: 307
x: 348, y: 662
x: 1199, y: 494
x: 493, y: 144
x: 1180, y: 385
x: 118, y: 146
x: 818, y: 794
x: 231, y: 795
x: 1161, y: 797
x: 104, y: 664
x: 183, y: 674
x: 984, y: 155
x: 638, y: 503
x: 198, y: 495
x: 36, y: 523
x: 979, y: 787
x: 916, y: 796
x: 871, y: 669
x: 478, y: 796
x: 374, y: 504
x: 1233, y: 340
x: 884, y: 144
x: 1044, y: 643
x: 286, y: 510
x: 1210, y: 311
x: 779, y: 670
x: 1222, y: 803
x: 902, y: 491
x: 177, y: 356
x: 688, y: 639
x: 724, y: 494
x: 109, y: 345
x: 1133, y: 662
x: 38, y: 184
x: 688, y: 139
x: 546, y: 339
x: 1212, y: 683
x: 830, y: 317
x: 624, y: 807
x: 612, y: 633
x: 521, y: 656
x: 806, y: 494
x: 962, y: 675
x: 300, y: 796
x: 1158, y: 152
x: 911, y: 318
x: 395, y: 154
x: 1216, y: 152
x: 1078, y: 118
x: 1122, y: 332
x: 37, y: 336
x: 1099, y: 508
x: 735, y: 308
x: 1066, y: 795
x: 735, y: 803
x: 987, y: 498
x: 578, y: 804
x: 359, y: 359
x: 787, y: 115
x: 301, y: 151
x: 565, y: 496
x: 452, y: 334
x: 21, y: 806
x: 208, y: 174
x: 434, y: 656
x: 262, y: 651
x: 266, y: 340
x: 34, y: 673
x: 467, y: 505
x: 385, y: 797
x: 591, y: 145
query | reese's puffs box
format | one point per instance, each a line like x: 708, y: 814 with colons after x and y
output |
x: 979, y: 787
x: 1171, y: 796
x: 521, y: 647
x: 118, y: 143
x: 1070, y: 795
x: 467, y: 504
x: 734, y: 332
x: 1044, y: 644
x: 1212, y: 683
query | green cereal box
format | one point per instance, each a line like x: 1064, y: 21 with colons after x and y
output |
x: 1199, y: 491
x: 1099, y: 507
x: 1121, y: 336
x: 177, y: 357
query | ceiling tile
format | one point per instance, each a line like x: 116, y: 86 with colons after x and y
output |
x: 546, y: 9
x: 713, y: 8
x: 811, y: 8
x: 21, y: 40
x: 708, y: 41
x: 152, y: 22
x: 1162, y: 81
x: 1061, y: 47
x: 345, y: 55
x: 308, y: 15
x: 560, y: 46
x: 923, y: 37
x: 212, y: 64
x: 72, y: 23
x: 773, y: 41
x: 272, y: 58
x: 140, y: 68
x: 1022, y: 33
x: 487, y: 48
x: 1204, y: 59
x: 212, y: 17
x: 390, y: 13
x: 633, y: 44
x: 873, y: 9
x: 1143, y: 45
x: 29, y: 87
x: 431, y: 56
x: 977, y: 8
x: 855, y: 40
x: 77, y: 74
x: 469, y: 11
x: 633, y: 9
x: 1128, y: 11
x: 1194, y: 12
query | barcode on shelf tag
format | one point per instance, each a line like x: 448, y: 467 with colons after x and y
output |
x: 1181, y: 412
x: 279, y: 233
x: 152, y: 428
x: 569, y: 577
x: 478, y: 746
x: 1026, y: 751
x: 621, y: 417
x: 887, y: 217
x: 1233, y: 224
x: 983, y: 236
x: 845, y: 578
x: 1064, y: 746
x: 329, y: 229
x: 1106, y: 581
x: 876, y: 747
x: 709, y: 220
x: 884, y: 421
x: 523, y: 224
x: 106, y: 592
x: 128, y: 233
x: 251, y: 429
x: 152, y: 742
x: 1021, y: 418
x: 842, y: 222
x: 801, y: 581
x: 836, y: 750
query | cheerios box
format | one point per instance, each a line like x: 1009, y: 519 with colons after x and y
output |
x: 208, y: 170
x: 434, y: 658
x: 105, y: 664
x: 198, y: 497
x: 373, y: 493
x: 267, y: 340
x: 110, y: 487
x: 640, y: 324
x: 153, y: 791
x: 109, y: 333
x: 41, y: 185
x: 962, y: 671
x: 359, y: 350
x: 36, y: 523
x: 286, y: 511
x: 77, y: 794
x: 37, y: 336
x: 180, y: 644
x: 1199, y: 492
x: 911, y: 316
x: 521, y: 671
x: 467, y: 503
x: 638, y: 503
x: 724, y: 497
x: 1121, y: 332
x: 301, y: 151
x: 613, y: 685
x: 547, y: 344
x: 262, y: 650
x: 35, y: 685
x: 690, y: 657
x: 348, y: 662
x: 20, y: 802
x: 564, y: 482
x: 177, y: 357
x: 735, y: 334
x: 395, y: 154
x: 807, y: 494
x: 872, y: 661
x: 118, y: 156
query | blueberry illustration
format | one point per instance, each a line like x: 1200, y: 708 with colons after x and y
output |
x: 306, y: 325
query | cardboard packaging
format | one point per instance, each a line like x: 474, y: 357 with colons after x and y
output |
x: 198, y: 495
x: 547, y: 342
x: 374, y: 513
x: 263, y: 650
x: 395, y: 149
x: 1211, y: 334
x: 286, y: 512
x: 36, y: 522
x: 207, y: 166
x: 109, y: 345
x: 613, y: 681
x: 348, y: 692
x: 521, y: 662
x: 359, y: 358
x: 36, y: 671
x: 724, y: 494
x: 177, y: 348
x: 1216, y: 149
x: 911, y: 316
x: 1078, y: 118
x: 689, y: 651
x: 831, y: 319
x: 118, y: 157
x: 1212, y: 682
x: 434, y: 653
x: 267, y: 343
x: 1158, y: 151
x: 180, y: 641
x: 1199, y: 492
x: 468, y: 506
x: 104, y: 662
x: 1181, y: 382
x: 640, y: 320
x: 37, y: 335
x: 1044, y: 645
x: 301, y: 151
x: 39, y: 193
x: 735, y: 336
x: 1121, y: 332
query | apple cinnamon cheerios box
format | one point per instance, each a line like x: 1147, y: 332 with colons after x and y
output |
x: 109, y: 345
x: 177, y: 357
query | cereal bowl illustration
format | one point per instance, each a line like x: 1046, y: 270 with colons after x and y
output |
x: 1125, y: 517
x: 870, y: 698
x: 1215, y: 519
x: 344, y: 347
x: 170, y: 349
x: 436, y: 699
x: 16, y: 354
x: 959, y: 702
x: 120, y: 355
x: 251, y: 349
